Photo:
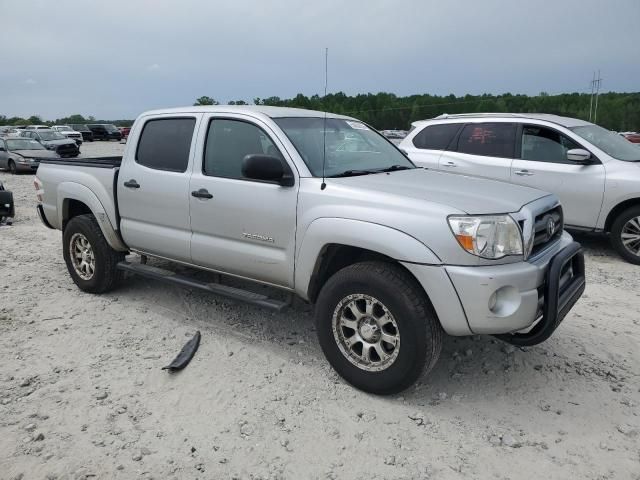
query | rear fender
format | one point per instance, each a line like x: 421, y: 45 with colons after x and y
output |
x: 74, y: 191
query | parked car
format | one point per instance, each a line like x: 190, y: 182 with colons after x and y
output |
x: 390, y: 254
x: 105, y: 132
x: 63, y: 146
x: 87, y: 135
x: 7, y: 208
x: 9, y: 132
x: 632, y: 137
x: 593, y: 171
x: 22, y: 154
x: 37, y: 127
x: 124, y: 131
x: 68, y: 132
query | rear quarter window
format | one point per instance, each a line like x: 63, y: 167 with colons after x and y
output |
x: 165, y: 143
x: 437, y: 137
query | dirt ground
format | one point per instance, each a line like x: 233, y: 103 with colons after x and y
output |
x: 82, y: 393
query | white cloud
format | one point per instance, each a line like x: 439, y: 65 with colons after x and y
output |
x: 30, y: 81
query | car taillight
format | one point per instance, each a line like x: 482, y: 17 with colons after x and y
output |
x: 39, y: 191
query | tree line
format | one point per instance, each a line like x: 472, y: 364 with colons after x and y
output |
x: 616, y: 111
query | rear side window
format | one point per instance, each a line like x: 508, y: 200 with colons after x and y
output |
x: 165, y: 143
x: 488, y: 139
x: 436, y: 137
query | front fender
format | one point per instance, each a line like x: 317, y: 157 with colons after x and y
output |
x: 355, y: 233
x: 74, y: 191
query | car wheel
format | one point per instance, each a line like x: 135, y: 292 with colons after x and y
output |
x: 12, y: 167
x: 625, y: 235
x: 91, y: 262
x: 377, y: 328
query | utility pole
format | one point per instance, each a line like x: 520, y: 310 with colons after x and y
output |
x: 593, y: 84
x: 598, y: 84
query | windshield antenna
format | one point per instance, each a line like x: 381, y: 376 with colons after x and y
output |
x: 323, y: 185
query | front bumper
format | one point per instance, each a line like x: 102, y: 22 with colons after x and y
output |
x: 509, y: 298
x: 27, y: 167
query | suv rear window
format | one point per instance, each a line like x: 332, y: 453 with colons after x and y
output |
x: 436, y: 137
x: 165, y: 144
x: 488, y: 139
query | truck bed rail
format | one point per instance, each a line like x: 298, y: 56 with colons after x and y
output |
x: 98, y: 162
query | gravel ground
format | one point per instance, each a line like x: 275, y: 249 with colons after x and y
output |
x: 82, y: 393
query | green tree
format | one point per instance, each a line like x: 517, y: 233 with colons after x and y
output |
x: 204, y: 100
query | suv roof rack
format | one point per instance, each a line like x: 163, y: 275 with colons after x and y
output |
x: 466, y: 115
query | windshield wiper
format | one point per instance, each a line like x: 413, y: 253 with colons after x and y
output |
x: 394, y: 168
x: 353, y: 173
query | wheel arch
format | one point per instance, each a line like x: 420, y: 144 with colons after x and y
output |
x: 618, y: 209
x: 75, y: 199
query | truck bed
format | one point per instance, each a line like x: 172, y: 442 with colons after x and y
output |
x: 98, y: 162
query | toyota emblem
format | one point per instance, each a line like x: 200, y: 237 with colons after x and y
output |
x: 551, y: 227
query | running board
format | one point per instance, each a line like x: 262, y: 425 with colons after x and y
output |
x: 224, y: 290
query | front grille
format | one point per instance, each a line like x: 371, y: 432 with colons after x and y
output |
x: 547, y: 229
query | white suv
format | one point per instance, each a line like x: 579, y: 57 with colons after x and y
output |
x: 594, y: 172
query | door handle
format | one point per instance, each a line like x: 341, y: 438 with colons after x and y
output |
x: 449, y: 164
x: 524, y: 173
x: 202, y: 193
x: 131, y: 184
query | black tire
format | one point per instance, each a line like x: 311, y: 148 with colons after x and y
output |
x: 12, y: 167
x: 617, y: 231
x: 417, y: 324
x: 105, y: 275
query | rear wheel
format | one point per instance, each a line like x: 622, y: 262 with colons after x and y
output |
x: 91, y: 262
x: 625, y: 235
x: 377, y: 328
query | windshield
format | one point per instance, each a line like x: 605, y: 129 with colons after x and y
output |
x: 111, y: 128
x: 64, y: 129
x: 23, y: 144
x: 609, y: 142
x: 350, y: 146
x: 51, y: 136
x: 80, y: 128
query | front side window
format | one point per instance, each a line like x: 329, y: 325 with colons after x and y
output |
x: 541, y: 144
x: 488, y: 139
x: 436, y: 137
x: 165, y: 144
x: 228, y: 142
x: 343, y: 146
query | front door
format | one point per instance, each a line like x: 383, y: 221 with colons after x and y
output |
x: 153, y: 187
x: 240, y: 226
x: 543, y: 164
x: 4, y: 155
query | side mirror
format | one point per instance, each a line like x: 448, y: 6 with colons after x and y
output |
x: 267, y: 168
x: 579, y: 155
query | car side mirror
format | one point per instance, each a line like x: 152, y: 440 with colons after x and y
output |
x: 579, y: 156
x: 267, y: 168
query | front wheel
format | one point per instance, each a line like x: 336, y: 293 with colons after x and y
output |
x: 12, y: 167
x: 377, y: 328
x: 625, y: 235
x: 91, y: 262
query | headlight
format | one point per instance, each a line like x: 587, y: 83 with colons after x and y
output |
x: 488, y: 236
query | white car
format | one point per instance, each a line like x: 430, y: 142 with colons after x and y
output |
x: 594, y: 172
x: 68, y: 132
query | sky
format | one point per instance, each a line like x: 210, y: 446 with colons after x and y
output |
x: 115, y: 59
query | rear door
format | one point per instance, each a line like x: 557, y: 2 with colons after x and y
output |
x: 4, y: 154
x: 483, y: 149
x: 153, y: 186
x: 543, y: 164
x: 426, y: 147
x: 241, y: 226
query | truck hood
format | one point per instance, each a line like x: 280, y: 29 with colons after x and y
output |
x: 471, y: 195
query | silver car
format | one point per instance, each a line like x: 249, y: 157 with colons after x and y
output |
x: 22, y: 154
x: 594, y: 172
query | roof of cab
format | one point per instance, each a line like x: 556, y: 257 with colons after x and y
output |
x: 547, y: 117
x: 272, y: 112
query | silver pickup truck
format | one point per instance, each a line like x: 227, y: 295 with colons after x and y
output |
x: 325, y: 208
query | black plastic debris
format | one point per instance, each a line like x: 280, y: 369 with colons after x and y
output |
x: 186, y: 354
x: 7, y: 209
